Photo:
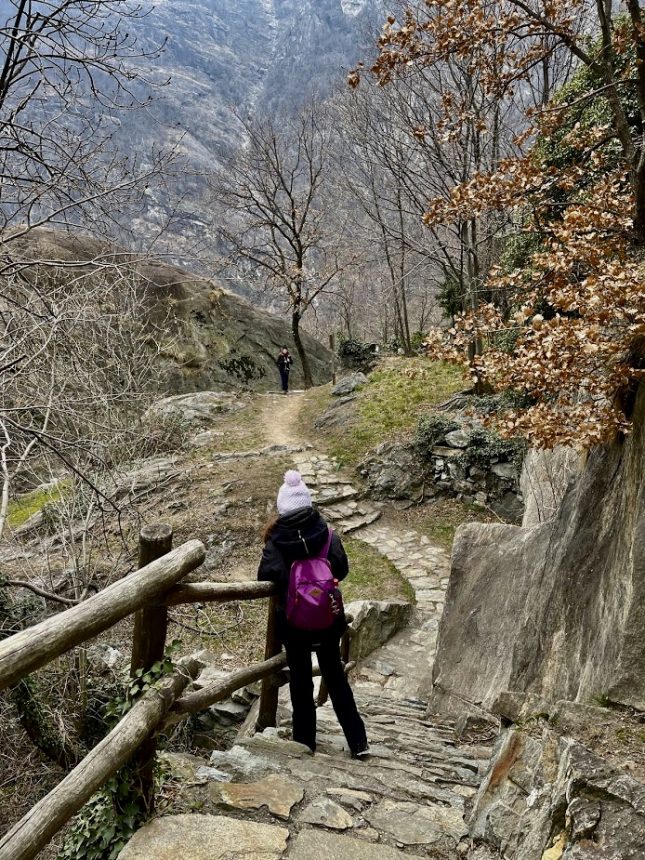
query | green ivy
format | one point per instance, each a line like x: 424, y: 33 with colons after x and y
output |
x: 108, y: 820
x: 430, y: 431
x: 484, y: 446
x: 99, y: 832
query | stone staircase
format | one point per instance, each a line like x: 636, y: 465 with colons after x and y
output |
x: 340, y: 502
x: 268, y: 797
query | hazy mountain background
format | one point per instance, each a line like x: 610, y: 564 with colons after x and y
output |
x: 228, y: 59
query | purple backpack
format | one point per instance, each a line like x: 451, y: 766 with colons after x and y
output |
x: 313, y: 597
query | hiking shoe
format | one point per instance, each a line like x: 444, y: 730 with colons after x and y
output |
x: 362, y: 753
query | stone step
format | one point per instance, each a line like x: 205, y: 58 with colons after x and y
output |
x: 359, y: 521
x: 377, y: 778
x: 337, y: 512
x: 328, y: 496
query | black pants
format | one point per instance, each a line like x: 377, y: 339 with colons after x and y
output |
x: 302, y: 691
x: 284, y: 378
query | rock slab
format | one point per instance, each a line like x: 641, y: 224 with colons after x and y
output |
x: 411, y: 824
x: 205, y: 837
x: 310, y: 845
x: 323, y: 812
x: 278, y: 793
x: 556, y: 609
x: 375, y: 621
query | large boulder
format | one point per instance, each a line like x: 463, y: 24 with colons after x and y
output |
x: 556, y: 609
x: 349, y: 384
x: 374, y: 622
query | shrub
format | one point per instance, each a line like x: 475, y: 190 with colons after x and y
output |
x: 430, y: 431
x: 165, y: 434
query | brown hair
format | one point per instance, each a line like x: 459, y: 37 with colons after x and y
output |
x: 268, y: 529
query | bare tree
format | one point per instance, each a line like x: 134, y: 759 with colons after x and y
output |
x: 274, y: 192
x: 435, y: 126
x: 67, y: 69
x: 533, y: 38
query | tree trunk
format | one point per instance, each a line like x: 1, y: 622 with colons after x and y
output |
x: 40, y: 728
x: 302, y: 355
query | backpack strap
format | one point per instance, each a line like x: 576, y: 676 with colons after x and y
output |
x: 325, y: 550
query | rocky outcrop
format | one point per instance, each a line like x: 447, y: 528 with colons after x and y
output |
x: 211, y: 338
x: 218, y: 340
x: 461, y: 463
x: 394, y: 471
x: 556, y: 608
x: 547, y: 797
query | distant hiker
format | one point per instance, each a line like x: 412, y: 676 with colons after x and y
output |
x: 284, y: 366
x: 307, y: 560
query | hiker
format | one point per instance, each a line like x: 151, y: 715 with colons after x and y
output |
x: 284, y: 363
x: 298, y: 542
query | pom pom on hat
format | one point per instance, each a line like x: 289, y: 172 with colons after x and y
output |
x: 294, y: 493
x: 292, y: 478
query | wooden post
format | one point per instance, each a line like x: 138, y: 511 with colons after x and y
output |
x: 36, y: 646
x: 30, y: 835
x: 268, y: 713
x: 332, y: 346
x: 148, y: 646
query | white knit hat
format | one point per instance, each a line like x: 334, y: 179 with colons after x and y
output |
x: 294, y: 494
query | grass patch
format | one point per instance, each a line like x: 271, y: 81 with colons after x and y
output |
x: 388, y: 406
x: 31, y: 503
x: 371, y: 576
x: 239, y: 430
x: 440, y: 520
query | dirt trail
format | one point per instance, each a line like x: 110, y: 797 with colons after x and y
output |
x: 279, y: 418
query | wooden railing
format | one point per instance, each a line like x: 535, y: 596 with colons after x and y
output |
x: 148, y: 592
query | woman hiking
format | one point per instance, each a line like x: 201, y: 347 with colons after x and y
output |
x: 295, y: 543
x: 284, y: 362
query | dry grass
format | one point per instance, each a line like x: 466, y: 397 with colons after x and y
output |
x: 439, y: 520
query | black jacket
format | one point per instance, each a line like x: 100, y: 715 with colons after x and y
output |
x: 301, y: 534
x: 284, y: 362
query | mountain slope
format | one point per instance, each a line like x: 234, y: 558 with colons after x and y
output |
x: 228, y: 59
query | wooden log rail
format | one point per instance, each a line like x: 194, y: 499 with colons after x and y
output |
x: 35, y: 646
x: 30, y: 835
x: 147, y: 592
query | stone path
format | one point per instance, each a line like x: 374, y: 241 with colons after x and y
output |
x: 409, y: 797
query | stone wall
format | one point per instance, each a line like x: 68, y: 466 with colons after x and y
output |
x: 556, y: 608
x: 456, y: 466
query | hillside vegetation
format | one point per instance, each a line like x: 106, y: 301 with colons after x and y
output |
x: 397, y: 394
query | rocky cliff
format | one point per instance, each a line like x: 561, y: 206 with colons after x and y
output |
x: 209, y: 337
x: 227, y: 60
x: 555, y: 607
